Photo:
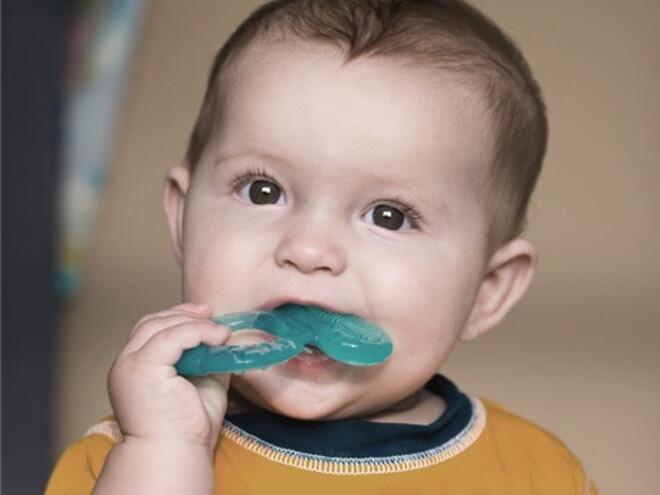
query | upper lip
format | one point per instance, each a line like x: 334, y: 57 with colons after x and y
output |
x: 279, y: 301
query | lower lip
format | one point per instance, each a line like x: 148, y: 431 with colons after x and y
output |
x: 315, y: 360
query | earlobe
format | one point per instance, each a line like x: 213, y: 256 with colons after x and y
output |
x: 174, y: 199
x: 506, y: 280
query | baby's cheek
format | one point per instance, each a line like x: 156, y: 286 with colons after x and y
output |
x: 215, y: 271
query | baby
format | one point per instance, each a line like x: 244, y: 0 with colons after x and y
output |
x: 369, y: 157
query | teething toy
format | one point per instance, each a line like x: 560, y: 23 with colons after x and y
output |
x: 344, y: 338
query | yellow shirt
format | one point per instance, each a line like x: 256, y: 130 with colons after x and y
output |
x: 495, y: 452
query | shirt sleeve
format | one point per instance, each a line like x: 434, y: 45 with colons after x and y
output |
x: 535, y: 460
x: 590, y: 488
x: 79, y: 466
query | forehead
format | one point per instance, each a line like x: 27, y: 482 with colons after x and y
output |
x: 284, y: 82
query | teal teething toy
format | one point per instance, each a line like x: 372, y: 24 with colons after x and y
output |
x: 344, y: 338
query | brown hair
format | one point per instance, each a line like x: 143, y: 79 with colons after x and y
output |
x: 449, y: 35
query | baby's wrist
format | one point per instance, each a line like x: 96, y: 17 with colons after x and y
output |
x: 140, y: 465
x: 168, y: 446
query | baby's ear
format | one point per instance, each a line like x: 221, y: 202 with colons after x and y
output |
x: 174, y: 199
x: 505, y: 281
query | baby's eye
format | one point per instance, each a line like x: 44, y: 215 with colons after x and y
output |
x: 262, y: 192
x: 389, y: 217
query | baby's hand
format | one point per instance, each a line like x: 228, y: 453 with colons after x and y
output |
x: 151, y: 401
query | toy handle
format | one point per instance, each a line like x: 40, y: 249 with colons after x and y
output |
x: 203, y: 359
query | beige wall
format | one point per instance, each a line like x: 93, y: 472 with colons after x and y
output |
x: 579, y: 355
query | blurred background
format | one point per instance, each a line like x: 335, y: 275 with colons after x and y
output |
x: 98, y: 100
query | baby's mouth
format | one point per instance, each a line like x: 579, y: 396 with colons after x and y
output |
x: 312, y: 356
x: 311, y: 350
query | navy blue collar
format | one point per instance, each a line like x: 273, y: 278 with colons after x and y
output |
x: 358, y: 438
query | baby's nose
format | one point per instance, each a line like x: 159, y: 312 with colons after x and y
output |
x: 311, y: 247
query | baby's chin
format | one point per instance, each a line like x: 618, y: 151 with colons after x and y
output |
x: 306, y: 403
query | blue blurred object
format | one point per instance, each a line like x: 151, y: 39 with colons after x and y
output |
x: 102, y: 41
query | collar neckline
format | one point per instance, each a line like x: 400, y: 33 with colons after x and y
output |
x: 360, y: 438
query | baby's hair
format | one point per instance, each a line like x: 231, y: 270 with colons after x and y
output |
x: 445, y: 35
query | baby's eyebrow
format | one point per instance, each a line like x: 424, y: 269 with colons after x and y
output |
x: 245, y: 155
x: 420, y: 195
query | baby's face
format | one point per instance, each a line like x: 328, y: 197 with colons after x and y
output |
x: 351, y: 186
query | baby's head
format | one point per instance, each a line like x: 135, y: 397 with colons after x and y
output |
x: 448, y: 38
x: 370, y: 157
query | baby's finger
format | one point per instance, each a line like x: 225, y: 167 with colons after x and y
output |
x: 213, y: 389
x: 184, y: 308
x: 166, y: 346
x: 154, y: 323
